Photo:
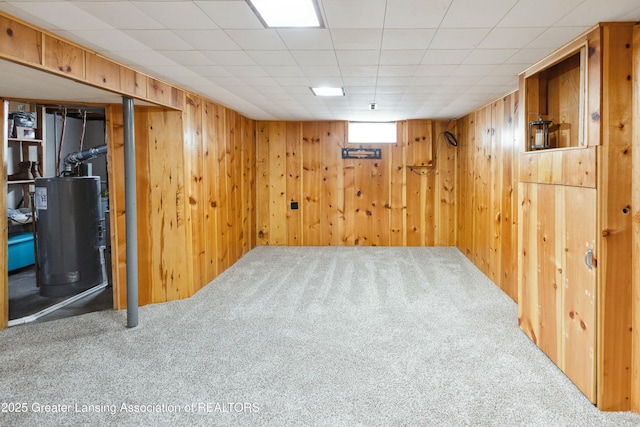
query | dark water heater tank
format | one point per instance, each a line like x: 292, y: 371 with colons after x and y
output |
x: 70, y: 225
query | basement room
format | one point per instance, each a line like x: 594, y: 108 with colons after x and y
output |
x: 320, y: 212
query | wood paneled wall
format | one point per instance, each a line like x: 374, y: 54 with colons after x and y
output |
x: 368, y: 202
x: 635, y: 259
x: 487, y: 185
x: 196, y: 192
x: 28, y: 45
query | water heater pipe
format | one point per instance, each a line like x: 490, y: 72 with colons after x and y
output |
x: 72, y: 160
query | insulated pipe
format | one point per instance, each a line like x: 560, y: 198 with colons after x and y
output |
x: 130, y: 212
x: 72, y: 160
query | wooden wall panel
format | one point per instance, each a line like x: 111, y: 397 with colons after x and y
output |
x: 635, y: 203
x: 198, y: 195
x: 102, y: 71
x: 354, y: 201
x: 311, y: 184
x: 614, y: 220
x: 294, y: 183
x: 62, y: 57
x: 194, y: 189
x: 486, y: 176
x: 19, y: 41
x: 168, y: 227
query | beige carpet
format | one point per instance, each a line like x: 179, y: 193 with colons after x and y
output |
x: 296, y: 337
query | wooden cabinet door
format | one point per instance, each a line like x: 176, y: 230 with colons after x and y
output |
x: 556, y: 301
x: 579, y: 292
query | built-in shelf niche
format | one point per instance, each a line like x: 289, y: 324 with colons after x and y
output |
x: 556, y: 94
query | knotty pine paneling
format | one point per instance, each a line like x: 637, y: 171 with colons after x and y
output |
x: 367, y: 202
x: 635, y: 180
x: 486, y: 177
x: 195, y: 198
x: 614, y: 221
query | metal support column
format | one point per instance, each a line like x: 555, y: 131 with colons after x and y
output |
x: 130, y: 212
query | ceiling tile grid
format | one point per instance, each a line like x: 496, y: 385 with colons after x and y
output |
x: 414, y: 58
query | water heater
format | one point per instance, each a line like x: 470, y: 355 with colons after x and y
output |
x: 70, y: 231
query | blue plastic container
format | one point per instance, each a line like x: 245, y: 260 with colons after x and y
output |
x: 20, y: 251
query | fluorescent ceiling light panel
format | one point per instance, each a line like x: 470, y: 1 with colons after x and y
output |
x: 287, y: 13
x: 327, y: 91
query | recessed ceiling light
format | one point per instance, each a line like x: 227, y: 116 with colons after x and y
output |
x: 287, y: 13
x: 328, y: 91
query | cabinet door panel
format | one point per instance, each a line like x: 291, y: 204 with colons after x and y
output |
x: 579, y: 307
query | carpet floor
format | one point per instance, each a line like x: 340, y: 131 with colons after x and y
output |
x: 295, y: 337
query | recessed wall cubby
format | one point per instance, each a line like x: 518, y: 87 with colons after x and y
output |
x: 555, y: 108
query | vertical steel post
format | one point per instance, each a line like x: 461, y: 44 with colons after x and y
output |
x: 130, y: 212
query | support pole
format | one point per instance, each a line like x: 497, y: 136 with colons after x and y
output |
x: 130, y: 212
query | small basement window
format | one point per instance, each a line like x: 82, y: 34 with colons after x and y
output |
x: 372, y: 133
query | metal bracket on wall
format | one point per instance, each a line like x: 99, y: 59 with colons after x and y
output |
x: 361, y: 153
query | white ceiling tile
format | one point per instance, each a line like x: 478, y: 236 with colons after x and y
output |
x: 445, y: 56
x: 452, y: 38
x: 538, y: 13
x: 355, y: 13
x: 210, y: 70
x: 357, y: 39
x: 320, y: 70
x: 397, y: 70
x: 208, y: 39
x: 415, y: 13
x: 315, y: 57
x: 285, y: 80
x: 435, y: 70
x: 509, y: 69
x: 473, y: 69
x: 257, y: 39
x: 231, y: 14
x: 283, y: 71
x: 64, y: 16
x: 394, y: 81
x: 159, y: 39
x: 188, y: 57
x: 230, y: 57
x: 246, y: 70
x: 357, y: 57
x: 145, y: 58
x: 177, y: 14
x: 409, y: 38
x: 272, y: 57
x: 504, y: 38
x: 401, y: 57
x: 109, y: 40
x: 489, y: 56
x: 528, y: 56
x: 476, y: 14
x: 554, y: 37
x: 359, y: 79
x: 120, y: 15
x: 306, y: 39
x: 264, y: 82
x: 325, y: 81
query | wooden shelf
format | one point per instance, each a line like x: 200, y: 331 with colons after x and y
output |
x: 21, y: 181
x: 39, y: 141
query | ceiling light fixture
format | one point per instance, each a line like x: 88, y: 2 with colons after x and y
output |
x: 287, y: 13
x: 327, y: 91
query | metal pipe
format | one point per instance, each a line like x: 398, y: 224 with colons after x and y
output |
x: 130, y: 212
x: 72, y: 160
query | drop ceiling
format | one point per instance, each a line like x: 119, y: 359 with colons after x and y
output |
x: 413, y: 58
